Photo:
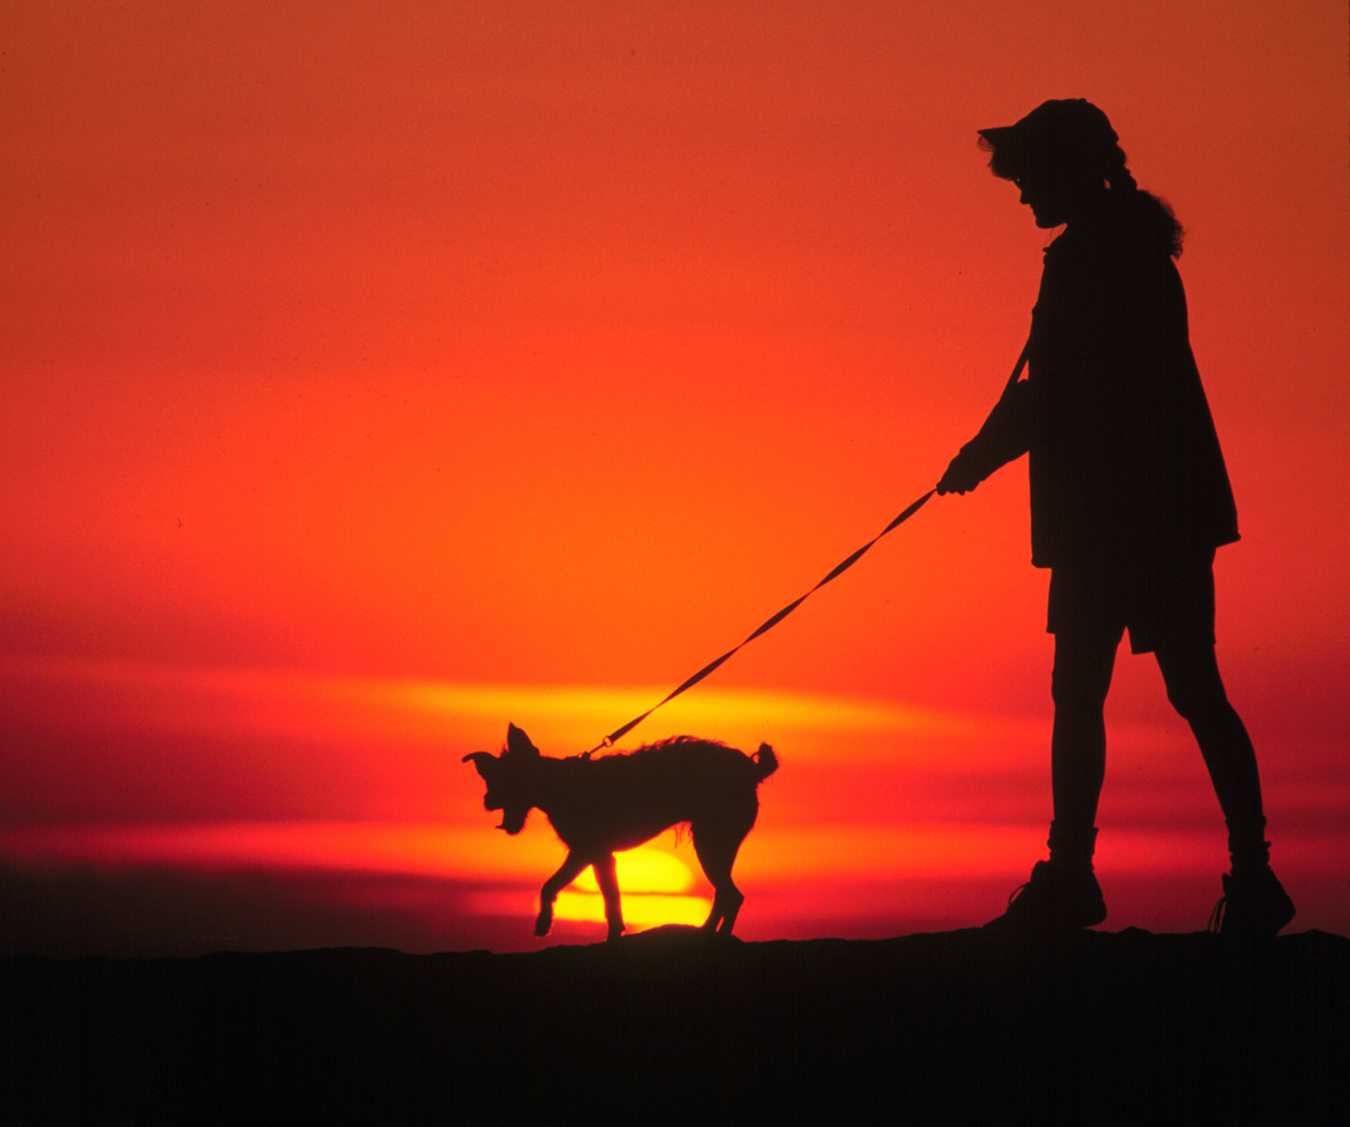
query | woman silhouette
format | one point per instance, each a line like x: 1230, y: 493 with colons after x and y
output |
x: 1129, y: 500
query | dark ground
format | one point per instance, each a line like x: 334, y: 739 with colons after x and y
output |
x: 961, y: 1026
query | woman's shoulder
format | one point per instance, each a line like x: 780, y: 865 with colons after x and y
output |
x: 1105, y: 250
x: 1133, y: 226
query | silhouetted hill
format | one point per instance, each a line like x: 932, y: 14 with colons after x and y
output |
x: 1125, y: 1027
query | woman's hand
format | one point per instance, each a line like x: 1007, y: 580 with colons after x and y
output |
x: 962, y: 475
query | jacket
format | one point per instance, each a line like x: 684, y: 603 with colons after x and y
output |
x: 1125, y: 464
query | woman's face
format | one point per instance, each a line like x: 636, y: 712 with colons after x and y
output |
x: 1056, y: 198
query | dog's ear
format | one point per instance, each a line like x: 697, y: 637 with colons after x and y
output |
x: 483, y: 760
x: 518, y: 743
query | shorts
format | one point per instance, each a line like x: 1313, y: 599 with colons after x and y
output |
x: 1157, y: 601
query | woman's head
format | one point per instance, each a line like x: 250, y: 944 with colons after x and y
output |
x: 1064, y: 157
x: 1066, y: 138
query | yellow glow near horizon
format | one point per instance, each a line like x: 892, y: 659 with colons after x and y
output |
x: 712, y: 706
x: 639, y: 910
x: 562, y: 719
x: 643, y: 869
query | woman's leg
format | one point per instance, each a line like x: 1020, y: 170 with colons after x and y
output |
x: 1084, y: 662
x: 1255, y: 904
x: 1196, y: 691
x: 1063, y: 893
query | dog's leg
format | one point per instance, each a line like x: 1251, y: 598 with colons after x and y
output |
x: 609, y: 888
x: 571, y: 869
x: 716, y: 851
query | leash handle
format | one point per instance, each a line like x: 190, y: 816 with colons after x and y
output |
x: 770, y: 623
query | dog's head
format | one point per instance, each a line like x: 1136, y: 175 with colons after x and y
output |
x: 509, y: 778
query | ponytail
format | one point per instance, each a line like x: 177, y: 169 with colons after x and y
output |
x: 1117, y: 175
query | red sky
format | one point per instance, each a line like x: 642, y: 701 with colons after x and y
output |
x: 380, y: 373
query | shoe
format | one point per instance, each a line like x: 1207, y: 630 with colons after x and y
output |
x: 1254, y: 905
x: 1054, y: 900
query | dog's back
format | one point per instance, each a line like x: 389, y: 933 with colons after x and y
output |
x: 626, y: 799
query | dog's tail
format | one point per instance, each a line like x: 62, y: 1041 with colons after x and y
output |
x: 766, y: 763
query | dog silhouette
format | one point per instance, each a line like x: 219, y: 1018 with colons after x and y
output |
x: 601, y: 806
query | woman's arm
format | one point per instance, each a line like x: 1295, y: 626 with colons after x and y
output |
x: 1004, y: 437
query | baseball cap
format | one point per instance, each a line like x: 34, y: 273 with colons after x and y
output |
x: 1062, y: 130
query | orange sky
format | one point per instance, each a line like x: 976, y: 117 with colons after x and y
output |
x: 380, y: 373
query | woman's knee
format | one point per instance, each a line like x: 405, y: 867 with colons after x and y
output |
x: 1194, y: 686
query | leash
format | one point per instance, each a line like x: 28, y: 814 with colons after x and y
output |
x: 608, y: 741
x: 618, y: 733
